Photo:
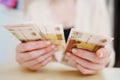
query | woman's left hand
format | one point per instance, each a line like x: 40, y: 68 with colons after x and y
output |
x: 89, y: 62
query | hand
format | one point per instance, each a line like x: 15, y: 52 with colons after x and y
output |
x: 89, y: 62
x: 35, y: 54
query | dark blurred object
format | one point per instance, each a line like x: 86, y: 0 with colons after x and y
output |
x: 117, y: 32
x: 66, y: 33
x: 9, y: 3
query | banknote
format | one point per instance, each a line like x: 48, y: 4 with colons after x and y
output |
x: 33, y: 31
x: 77, y: 39
x: 86, y: 41
x: 24, y: 32
x: 56, y: 35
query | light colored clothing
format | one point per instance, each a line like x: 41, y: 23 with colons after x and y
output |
x: 91, y: 16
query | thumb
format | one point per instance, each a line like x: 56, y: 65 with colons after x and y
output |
x: 103, y: 52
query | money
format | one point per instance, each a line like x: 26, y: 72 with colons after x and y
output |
x: 32, y: 32
x: 24, y: 32
x: 56, y: 35
x: 83, y: 40
x: 77, y: 39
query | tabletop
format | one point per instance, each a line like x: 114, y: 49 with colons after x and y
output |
x: 54, y: 71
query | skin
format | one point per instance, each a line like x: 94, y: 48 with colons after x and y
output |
x: 89, y: 62
x: 36, y: 54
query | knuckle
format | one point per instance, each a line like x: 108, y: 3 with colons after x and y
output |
x: 41, y: 44
x: 99, y: 61
x: 39, y: 60
x: 42, y: 64
x: 17, y: 59
x: 50, y: 58
x: 18, y: 48
x: 48, y: 49
x: 106, y: 64
x: 103, y: 60
x: 87, y: 72
x: 26, y: 65
x: 32, y: 67
x: 98, y: 67
x: 82, y: 51
x: 84, y: 72
x: 42, y: 51
x: 92, y: 66
x: 24, y: 47
x: 30, y: 55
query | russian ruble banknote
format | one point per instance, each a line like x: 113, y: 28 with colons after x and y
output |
x: 33, y: 32
x: 86, y: 41
x: 77, y: 39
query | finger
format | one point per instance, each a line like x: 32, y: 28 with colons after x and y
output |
x: 84, y: 70
x: 90, y: 56
x: 35, y: 54
x: 40, y: 59
x: 29, y: 46
x: 103, y: 52
x: 85, y: 63
x: 106, y: 62
x: 39, y: 65
x: 18, y: 59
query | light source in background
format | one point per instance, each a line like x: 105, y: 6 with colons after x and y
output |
x: 9, y: 3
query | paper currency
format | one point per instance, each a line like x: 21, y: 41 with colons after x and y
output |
x: 24, y: 32
x: 56, y: 35
x: 33, y: 32
x: 83, y: 40
x: 77, y: 39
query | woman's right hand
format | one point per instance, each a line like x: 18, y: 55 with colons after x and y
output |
x: 35, y: 54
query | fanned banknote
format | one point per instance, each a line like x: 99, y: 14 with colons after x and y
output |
x: 24, y: 32
x: 32, y: 32
x: 83, y: 40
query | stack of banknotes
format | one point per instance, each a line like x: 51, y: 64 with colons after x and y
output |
x: 84, y: 40
x: 55, y: 33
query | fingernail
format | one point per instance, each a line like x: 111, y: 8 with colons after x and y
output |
x: 48, y: 42
x: 74, y: 50
x: 100, y: 55
x: 52, y: 46
x: 68, y: 54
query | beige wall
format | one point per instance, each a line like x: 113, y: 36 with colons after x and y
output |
x: 25, y: 4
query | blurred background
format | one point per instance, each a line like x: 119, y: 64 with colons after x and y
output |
x: 10, y: 11
x: 117, y: 31
x: 13, y: 11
